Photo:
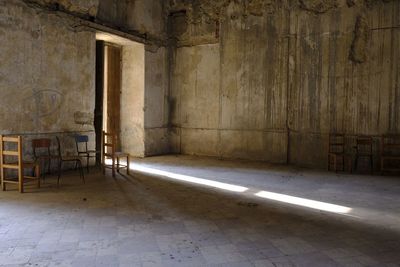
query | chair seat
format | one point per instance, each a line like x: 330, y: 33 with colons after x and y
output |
x: 70, y: 158
x: 89, y: 152
x: 341, y: 154
x: 48, y: 157
x: 28, y: 164
x: 363, y: 155
x: 121, y: 154
x: 390, y: 157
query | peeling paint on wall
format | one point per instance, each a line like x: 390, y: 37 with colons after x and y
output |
x: 83, y: 7
x: 83, y: 118
x: 47, y: 71
x: 318, y: 6
x: 359, y: 51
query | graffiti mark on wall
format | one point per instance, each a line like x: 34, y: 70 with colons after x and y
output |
x: 44, y: 102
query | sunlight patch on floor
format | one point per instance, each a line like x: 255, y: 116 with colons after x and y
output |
x: 190, y: 179
x: 298, y: 201
x: 313, y: 204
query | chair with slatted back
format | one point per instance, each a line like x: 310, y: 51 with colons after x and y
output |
x: 72, y: 158
x: 390, y: 153
x: 337, y: 153
x: 42, y: 154
x: 81, y: 142
x: 109, y: 144
x: 12, y: 165
x: 364, y: 150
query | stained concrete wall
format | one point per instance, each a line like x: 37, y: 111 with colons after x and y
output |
x: 269, y: 80
x: 141, y: 16
x: 46, y: 74
x: 156, y: 109
x: 132, y: 100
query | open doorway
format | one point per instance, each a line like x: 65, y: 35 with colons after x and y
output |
x: 108, y: 90
x: 119, y: 106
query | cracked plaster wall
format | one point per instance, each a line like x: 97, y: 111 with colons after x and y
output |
x: 47, y: 75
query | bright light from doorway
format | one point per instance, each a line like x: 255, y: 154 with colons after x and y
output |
x: 304, y: 202
x: 190, y: 179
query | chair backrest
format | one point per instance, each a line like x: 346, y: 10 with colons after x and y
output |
x: 41, y: 144
x: 10, y: 147
x: 81, y: 139
x: 109, y: 141
x: 364, y: 144
x: 336, y: 143
x: 390, y: 145
x: 58, y: 146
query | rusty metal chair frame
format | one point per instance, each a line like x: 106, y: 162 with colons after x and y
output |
x: 85, y: 152
x: 43, y: 145
x: 62, y: 159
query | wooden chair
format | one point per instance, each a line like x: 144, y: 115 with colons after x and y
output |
x: 11, y: 161
x: 109, y: 144
x: 81, y: 142
x: 336, y: 153
x: 62, y: 159
x: 364, y: 150
x: 42, y: 153
x: 390, y: 153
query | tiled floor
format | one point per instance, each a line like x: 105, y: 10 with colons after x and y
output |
x: 186, y: 211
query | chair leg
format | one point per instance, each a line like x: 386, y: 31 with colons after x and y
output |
x: 344, y: 163
x: 117, y: 164
x: 59, y: 172
x: 21, y: 183
x: 329, y: 161
x: 44, y: 172
x: 350, y: 164
x: 113, y: 167
x: 103, y: 167
x: 3, y: 184
x: 49, y: 166
x: 356, y: 167
x: 87, y: 162
x: 127, y: 164
x: 81, y: 171
x: 37, y: 174
x: 372, y: 164
x: 335, y: 163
